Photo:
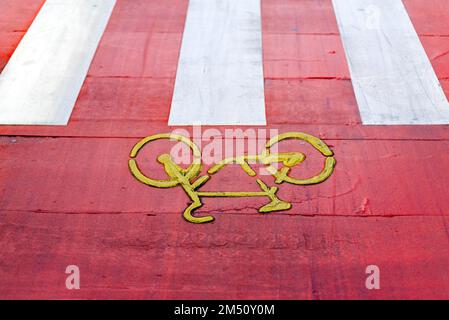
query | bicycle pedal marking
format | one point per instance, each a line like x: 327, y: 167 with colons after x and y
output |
x: 187, y: 178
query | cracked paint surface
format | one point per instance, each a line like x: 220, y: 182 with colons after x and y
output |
x: 66, y: 195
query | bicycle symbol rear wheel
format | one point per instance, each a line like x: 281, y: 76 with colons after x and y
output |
x: 282, y: 175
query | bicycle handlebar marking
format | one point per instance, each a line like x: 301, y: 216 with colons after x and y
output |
x: 186, y: 177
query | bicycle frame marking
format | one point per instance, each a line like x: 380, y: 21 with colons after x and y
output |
x: 186, y: 178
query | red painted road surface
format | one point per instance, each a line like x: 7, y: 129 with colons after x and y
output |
x: 67, y: 197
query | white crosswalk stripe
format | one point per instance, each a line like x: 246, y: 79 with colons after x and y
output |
x: 220, y: 73
x: 393, y: 79
x: 42, y: 80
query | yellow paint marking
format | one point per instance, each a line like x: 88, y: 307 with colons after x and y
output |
x: 186, y: 177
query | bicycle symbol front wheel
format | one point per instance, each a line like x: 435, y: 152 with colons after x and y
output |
x: 191, y: 172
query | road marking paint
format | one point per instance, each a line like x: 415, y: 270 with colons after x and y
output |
x: 42, y: 80
x: 220, y: 73
x: 393, y: 79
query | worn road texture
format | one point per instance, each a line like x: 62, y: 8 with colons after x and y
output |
x: 67, y: 196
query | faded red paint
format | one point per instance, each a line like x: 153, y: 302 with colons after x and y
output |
x: 16, y: 18
x: 67, y: 197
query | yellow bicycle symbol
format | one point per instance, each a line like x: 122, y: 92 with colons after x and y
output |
x: 187, y: 178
